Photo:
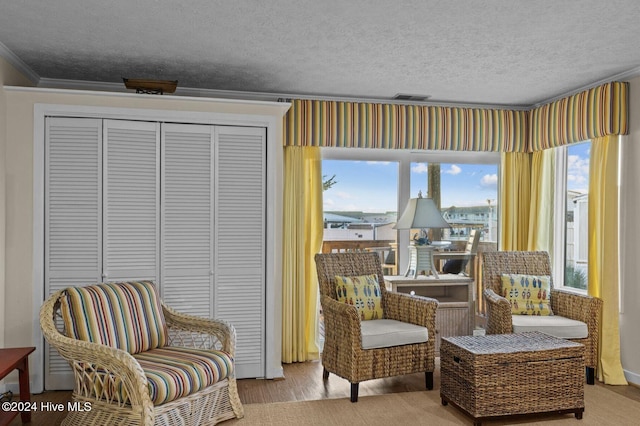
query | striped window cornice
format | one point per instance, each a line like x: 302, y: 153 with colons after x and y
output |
x: 593, y: 113
x: 374, y: 125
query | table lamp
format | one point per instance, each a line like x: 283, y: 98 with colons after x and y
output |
x: 421, y: 213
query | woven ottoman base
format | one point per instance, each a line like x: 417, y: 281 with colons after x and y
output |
x: 489, y: 377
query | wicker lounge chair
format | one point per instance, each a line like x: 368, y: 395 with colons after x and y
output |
x: 564, y: 304
x: 141, y: 363
x: 344, y: 354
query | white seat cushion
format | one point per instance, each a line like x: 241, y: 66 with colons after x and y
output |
x: 553, y: 325
x: 385, y: 333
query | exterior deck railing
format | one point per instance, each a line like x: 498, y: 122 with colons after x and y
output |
x: 340, y: 246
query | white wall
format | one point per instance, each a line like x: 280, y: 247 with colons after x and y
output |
x: 8, y: 75
x: 629, y: 239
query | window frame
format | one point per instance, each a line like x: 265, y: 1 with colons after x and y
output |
x: 558, y: 265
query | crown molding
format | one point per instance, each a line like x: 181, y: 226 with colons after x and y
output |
x: 256, y: 96
x: 19, y: 64
x: 273, y: 97
x: 622, y: 76
x: 99, y: 86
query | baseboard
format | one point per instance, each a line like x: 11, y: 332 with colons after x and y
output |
x: 633, y: 378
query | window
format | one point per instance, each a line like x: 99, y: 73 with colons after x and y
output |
x: 371, y: 187
x: 467, y: 194
x: 573, y: 173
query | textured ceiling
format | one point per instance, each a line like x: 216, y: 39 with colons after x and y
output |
x: 501, y: 52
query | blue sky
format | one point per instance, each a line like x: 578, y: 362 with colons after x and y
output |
x: 578, y: 167
x: 371, y: 186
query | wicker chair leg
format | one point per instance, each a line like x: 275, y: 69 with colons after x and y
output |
x: 325, y: 374
x: 354, y: 392
x: 234, y: 399
x: 591, y: 375
x: 429, y: 379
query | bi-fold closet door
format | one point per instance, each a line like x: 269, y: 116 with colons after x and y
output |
x: 180, y: 204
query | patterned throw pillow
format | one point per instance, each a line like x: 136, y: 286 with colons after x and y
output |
x: 528, y: 294
x: 363, y: 292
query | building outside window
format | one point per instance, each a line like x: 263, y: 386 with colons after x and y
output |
x: 576, y: 174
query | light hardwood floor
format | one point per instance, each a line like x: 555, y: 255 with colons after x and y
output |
x: 303, y: 381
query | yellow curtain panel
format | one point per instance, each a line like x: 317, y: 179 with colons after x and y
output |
x: 596, y: 112
x: 603, y: 253
x: 301, y: 239
x: 515, y: 196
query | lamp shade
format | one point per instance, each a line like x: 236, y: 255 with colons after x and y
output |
x: 421, y: 213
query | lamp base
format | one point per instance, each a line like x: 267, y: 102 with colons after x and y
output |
x: 421, y: 259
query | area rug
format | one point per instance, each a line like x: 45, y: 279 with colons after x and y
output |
x: 602, y: 407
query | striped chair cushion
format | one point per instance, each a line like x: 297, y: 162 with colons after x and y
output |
x: 175, y: 372
x: 126, y: 316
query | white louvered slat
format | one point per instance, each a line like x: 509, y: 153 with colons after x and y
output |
x: 73, y: 217
x: 187, y: 215
x: 240, y: 241
x: 131, y: 200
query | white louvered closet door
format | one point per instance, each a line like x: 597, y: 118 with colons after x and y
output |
x: 73, y: 217
x: 187, y: 218
x: 240, y: 216
x: 131, y: 178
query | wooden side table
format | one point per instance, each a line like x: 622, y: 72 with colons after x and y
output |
x: 11, y: 359
x: 456, y: 310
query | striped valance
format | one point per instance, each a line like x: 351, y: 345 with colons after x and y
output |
x: 593, y: 113
x: 364, y: 125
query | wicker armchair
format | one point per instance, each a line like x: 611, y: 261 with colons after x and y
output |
x: 564, y: 304
x: 343, y: 353
x: 120, y: 384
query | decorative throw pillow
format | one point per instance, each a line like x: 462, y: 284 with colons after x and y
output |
x: 528, y: 294
x: 125, y: 315
x: 363, y: 292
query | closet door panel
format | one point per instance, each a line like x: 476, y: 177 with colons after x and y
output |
x: 131, y: 200
x: 187, y: 218
x: 73, y: 218
x: 240, y: 241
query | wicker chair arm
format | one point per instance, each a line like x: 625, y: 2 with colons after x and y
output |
x: 498, y: 313
x: 342, y: 323
x: 412, y: 309
x: 576, y: 306
x: 199, y: 332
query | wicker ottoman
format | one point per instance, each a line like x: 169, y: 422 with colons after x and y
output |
x: 489, y: 377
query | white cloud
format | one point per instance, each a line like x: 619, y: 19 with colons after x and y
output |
x: 576, y: 163
x: 577, y: 179
x: 420, y: 168
x: 453, y: 170
x: 383, y: 163
x: 577, y: 172
x: 344, y: 195
x: 489, y: 180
